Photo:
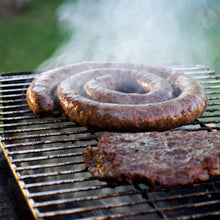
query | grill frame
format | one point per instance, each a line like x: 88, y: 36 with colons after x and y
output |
x: 58, y: 140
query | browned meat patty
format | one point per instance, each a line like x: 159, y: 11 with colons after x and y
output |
x: 170, y: 158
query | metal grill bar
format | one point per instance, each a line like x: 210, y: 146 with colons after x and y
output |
x: 66, y: 181
x: 46, y: 157
x: 91, y: 208
x: 10, y: 101
x: 13, y: 106
x: 44, y: 135
x: 64, y: 172
x: 10, y: 96
x: 14, y: 85
x: 82, y: 199
x: 44, y: 149
x: 16, y: 112
x: 37, y: 129
x: 52, y: 165
x: 47, y: 142
x: 109, y: 206
x: 131, y: 192
x: 65, y: 191
x: 22, y: 90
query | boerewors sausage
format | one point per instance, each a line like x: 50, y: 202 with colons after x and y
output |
x: 119, y: 96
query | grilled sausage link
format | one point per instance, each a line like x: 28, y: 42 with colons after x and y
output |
x: 127, y: 87
x: 96, y: 96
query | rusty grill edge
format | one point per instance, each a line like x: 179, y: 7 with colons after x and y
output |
x: 45, y: 156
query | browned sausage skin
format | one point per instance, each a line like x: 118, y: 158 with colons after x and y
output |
x: 127, y: 87
x: 188, y: 103
x: 40, y: 93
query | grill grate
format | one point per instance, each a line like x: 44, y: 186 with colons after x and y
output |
x: 45, y: 156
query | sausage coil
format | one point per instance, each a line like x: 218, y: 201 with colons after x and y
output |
x: 116, y: 96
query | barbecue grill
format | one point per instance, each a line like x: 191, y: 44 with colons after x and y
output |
x: 46, y: 158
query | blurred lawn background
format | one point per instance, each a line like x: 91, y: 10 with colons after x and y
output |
x: 30, y: 37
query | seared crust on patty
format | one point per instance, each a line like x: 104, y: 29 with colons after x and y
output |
x: 171, y: 158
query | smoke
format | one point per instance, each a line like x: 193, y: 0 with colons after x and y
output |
x: 144, y: 31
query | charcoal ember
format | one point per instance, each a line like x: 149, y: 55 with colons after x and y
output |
x: 171, y: 158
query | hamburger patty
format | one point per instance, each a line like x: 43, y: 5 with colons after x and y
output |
x: 170, y: 158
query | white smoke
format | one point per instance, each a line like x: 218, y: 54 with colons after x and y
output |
x: 145, y: 31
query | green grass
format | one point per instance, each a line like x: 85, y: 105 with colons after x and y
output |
x: 29, y: 38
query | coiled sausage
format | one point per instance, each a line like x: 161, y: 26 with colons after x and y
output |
x: 128, y: 101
